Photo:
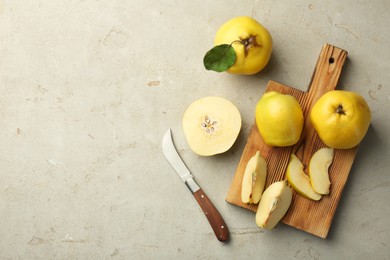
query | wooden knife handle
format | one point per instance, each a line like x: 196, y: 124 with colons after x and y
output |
x: 216, y: 221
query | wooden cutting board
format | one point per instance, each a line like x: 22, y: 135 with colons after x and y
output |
x: 314, y: 217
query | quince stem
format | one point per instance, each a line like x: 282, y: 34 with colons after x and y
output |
x: 248, y: 43
x: 340, y: 110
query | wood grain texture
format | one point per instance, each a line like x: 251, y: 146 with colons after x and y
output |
x: 215, y: 219
x: 304, y: 214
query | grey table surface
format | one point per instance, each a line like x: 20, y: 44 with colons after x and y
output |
x: 88, y: 88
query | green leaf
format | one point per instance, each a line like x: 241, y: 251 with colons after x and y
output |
x: 220, y: 58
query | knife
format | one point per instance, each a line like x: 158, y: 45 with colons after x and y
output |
x: 211, y: 212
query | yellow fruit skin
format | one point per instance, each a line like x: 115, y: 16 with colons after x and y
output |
x: 341, y: 131
x: 256, y: 57
x: 279, y: 119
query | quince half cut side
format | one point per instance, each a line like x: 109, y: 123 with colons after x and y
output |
x: 211, y: 125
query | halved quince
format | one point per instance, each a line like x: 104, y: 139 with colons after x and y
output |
x: 211, y: 125
x: 254, y: 178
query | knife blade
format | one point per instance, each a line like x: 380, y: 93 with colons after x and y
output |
x: 214, y: 217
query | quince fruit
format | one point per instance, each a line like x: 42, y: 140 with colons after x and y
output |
x: 279, y: 118
x: 341, y: 118
x: 245, y: 47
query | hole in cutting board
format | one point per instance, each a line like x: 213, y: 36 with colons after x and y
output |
x: 331, y: 60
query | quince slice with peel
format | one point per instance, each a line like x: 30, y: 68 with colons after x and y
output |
x: 318, y: 170
x: 299, y: 180
x: 254, y: 178
x: 273, y: 205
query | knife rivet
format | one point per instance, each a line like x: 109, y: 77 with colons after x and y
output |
x: 222, y: 227
x: 202, y: 196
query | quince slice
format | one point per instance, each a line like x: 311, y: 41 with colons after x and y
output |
x: 318, y: 170
x: 273, y: 205
x: 254, y: 179
x: 299, y: 180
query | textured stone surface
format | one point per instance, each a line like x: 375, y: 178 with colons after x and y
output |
x: 88, y: 88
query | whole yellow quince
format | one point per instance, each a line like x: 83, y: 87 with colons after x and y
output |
x: 251, y: 41
x: 279, y: 119
x: 341, y: 118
